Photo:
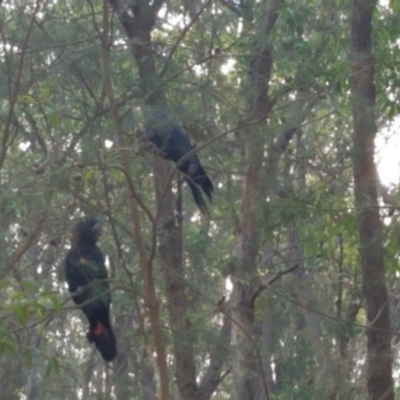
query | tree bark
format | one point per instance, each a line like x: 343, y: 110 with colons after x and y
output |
x: 245, y: 364
x: 146, y: 262
x: 379, y: 360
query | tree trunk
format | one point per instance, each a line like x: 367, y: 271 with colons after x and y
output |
x: 138, y: 26
x: 379, y: 360
x: 31, y: 382
x: 327, y: 373
x: 245, y: 364
x: 122, y: 379
x: 146, y: 262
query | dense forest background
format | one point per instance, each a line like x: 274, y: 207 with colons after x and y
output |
x: 284, y: 291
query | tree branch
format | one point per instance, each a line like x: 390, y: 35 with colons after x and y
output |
x: 270, y: 281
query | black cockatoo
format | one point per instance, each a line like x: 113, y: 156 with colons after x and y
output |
x: 173, y: 141
x: 86, y: 275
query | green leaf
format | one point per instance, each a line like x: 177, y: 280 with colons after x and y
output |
x: 28, y: 284
x: 21, y: 313
x: 53, y: 119
x: 52, y: 365
x: 26, y: 99
x: 45, y: 90
x: 56, y: 303
x: 7, y: 347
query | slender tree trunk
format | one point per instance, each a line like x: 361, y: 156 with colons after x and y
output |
x: 87, y: 376
x: 121, y: 364
x: 147, y: 379
x: 327, y: 373
x: 31, y: 382
x: 146, y: 262
x: 169, y: 229
x: 379, y: 360
x: 245, y: 364
x: 138, y: 26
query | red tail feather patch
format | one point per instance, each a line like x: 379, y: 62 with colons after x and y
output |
x: 100, y: 329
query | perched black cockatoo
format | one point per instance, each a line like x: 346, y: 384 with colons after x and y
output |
x: 173, y: 141
x: 86, y: 275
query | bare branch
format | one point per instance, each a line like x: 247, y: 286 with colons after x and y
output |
x: 270, y: 281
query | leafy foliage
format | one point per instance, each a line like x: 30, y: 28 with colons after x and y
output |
x: 60, y: 157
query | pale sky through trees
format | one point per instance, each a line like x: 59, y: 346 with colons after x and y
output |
x: 388, y: 154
